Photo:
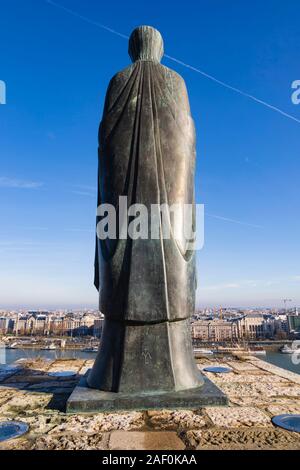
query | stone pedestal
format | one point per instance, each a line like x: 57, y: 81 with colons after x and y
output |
x: 86, y: 400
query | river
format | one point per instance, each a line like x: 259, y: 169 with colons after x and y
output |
x: 12, y: 355
x: 281, y: 360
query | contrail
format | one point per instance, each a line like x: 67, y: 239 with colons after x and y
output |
x: 87, y: 20
x: 227, y: 219
x: 188, y: 66
x: 237, y: 90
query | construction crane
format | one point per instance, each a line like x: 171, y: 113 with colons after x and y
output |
x: 285, y: 301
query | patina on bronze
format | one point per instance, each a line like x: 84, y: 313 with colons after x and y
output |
x: 146, y: 286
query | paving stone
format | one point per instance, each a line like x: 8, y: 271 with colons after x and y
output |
x: 8, y: 371
x: 149, y: 440
x: 259, y: 389
x: 258, y: 373
x: 52, y: 384
x: 242, y: 439
x: 241, y: 366
x: 6, y: 394
x: 32, y: 365
x: 203, y: 365
x: 292, y: 376
x: 16, y: 444
x: 71, y: 364
x: 127, y: 421
x: 24, y: 402
x: 60, y: 391
x: 30, y: 378
x: 282, y: 409
x: 87, y: 365
x: 219, y: 378
x: 175, y: 419
x: 101, y: 422
x: 15, y: 385
x: 237, y: 417
x: 42, y: 424
x: 72, y: 441
x: 246, y: 378
x: 260, y: 401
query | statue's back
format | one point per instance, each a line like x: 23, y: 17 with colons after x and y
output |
x: 146, y: 153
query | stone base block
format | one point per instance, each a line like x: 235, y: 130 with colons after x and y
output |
x: 87, y: 400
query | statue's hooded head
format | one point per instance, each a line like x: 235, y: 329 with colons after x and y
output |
x: 146, y: 43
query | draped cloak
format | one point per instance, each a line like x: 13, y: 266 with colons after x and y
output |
x: 147, y: 153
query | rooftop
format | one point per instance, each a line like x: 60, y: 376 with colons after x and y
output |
x: 256, y: 391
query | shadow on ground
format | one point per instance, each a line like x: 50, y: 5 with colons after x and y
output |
x: 34, y: 380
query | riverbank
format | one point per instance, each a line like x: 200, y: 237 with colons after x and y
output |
x: 12, y: 355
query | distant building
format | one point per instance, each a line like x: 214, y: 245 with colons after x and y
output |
x: 200, y: 330
x: 20, y: 325
x: 73, y: 325
x: 87, y: 324
x: 57, y: 326
x: 33, y: 323
x: 44, y: 323
x: 70, y: 325
x: 255, y: 326
x: 4, y: 323
x: 293, y: 323
x: 40, y: 324
x: 98, y: 325
x: 214, y: 330
x: 280, y: 325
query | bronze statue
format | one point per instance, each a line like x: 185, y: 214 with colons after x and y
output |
x: 146, y: 285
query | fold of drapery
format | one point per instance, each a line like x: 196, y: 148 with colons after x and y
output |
x: 147, y: 153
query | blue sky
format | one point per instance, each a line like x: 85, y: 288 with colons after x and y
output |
x: 56, y: 67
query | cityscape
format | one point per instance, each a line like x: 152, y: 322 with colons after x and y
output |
x: 207, y: 325
x: 51, y: 323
